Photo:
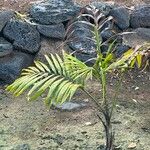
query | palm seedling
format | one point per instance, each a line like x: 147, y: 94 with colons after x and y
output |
x: 60, y: 77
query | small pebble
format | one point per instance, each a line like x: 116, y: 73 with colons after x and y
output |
x: 136, y: 88
x: 88, y: 123
x: 132, y: 145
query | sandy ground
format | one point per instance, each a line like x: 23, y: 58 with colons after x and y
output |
x: 31, y: 123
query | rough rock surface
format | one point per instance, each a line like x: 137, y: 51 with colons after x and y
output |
x: 5, y: 47
x: 80, y: 39
x: 52, y: 31
x: 71, y: 106
x: 86, y: 58
x: 104, y: 48
x: 5, y: 16
x: 83, y: 45
x: 54, y: 11
x: 121, y: 17
x: 103, y: 6
x: 120, y: 49
x: 78, y: 24
x: 53, y: 18
x: 11, y: 66
x: 140, y: 17
x: 24, y: 36
x: 141, y: 36
x: 107, y: 34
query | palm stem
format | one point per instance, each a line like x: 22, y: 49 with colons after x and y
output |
x: 108, y: 127
x: 96, y: 102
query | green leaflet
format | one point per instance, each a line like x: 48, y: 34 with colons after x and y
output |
x: 139, y: 60
x: 44, y: 87
x: 52, y: 89
x: 62, y: 93
x: 51, y: 64
x: 54, y: 79
x: 12, y: 88
x: 39, y: 66
x: 56, y: 64
x: 37, y: 85
x: 45, y: 67
x: 35, y: 69
x: 26, y: 85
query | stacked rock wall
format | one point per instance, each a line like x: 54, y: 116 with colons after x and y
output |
x: 20, y: 39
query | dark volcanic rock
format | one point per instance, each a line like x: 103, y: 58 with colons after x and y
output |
x: 103, y: 6
x: 5, y: 16
x: 68, y: 106
x: 86, y: 58
x: 83, y: 45
x: 107, y: 34
x: 52, y: 31
x: 81, y: 33
x: 108, y: 25
x: 140, y: 17
x: 144, y: 33
x: 104, y: 48
x: 120, y: 49
x: 11, y: 66
x: 121, y: 16
x: 80, y: 39
x: 54, y: 11
x: 79, y: 25
x: 139, y: 37
x: 24, y: 36
x: 5, y: 47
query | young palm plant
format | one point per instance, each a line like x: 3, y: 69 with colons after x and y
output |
x: 60, y: 77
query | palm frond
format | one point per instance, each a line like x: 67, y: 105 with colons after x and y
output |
x: 52, y: 78
x: 122, y: 62
x: 130, y: 58
x: 77, y: 69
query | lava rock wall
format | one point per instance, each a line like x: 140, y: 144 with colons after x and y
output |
x: 20, y: 39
